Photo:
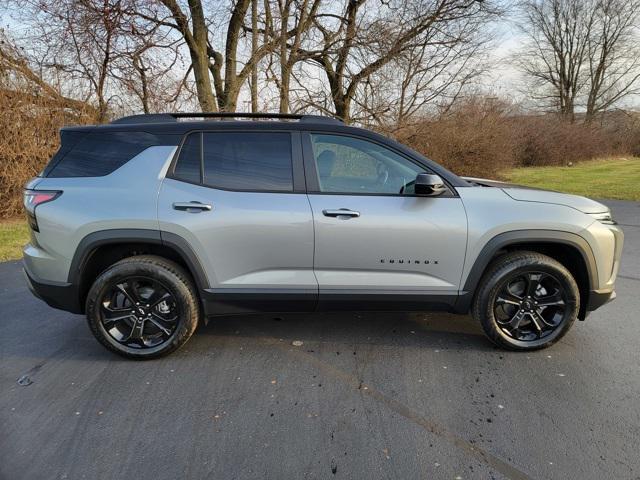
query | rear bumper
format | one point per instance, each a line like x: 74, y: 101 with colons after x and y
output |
x: 63, y: 296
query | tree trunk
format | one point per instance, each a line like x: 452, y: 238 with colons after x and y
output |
x: 203, y: 82
x: 197, y: 42
x: 254, y: 47
x: 285, y: 83
x: 231, y: 81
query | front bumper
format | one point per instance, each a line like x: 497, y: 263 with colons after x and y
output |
x: 598, y: 299
x: 606, y: 242
x: 63, y: 296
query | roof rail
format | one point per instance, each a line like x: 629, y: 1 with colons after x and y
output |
x: 174, y: 117
x: 146, y: 118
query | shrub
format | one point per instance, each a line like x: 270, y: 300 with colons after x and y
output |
x: 482, y: 137
x: 551, y: 140
x: 474, y: 138
x: 29, y: 124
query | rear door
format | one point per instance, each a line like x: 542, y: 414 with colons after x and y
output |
x: 376, y: 241
x: 238, y: 199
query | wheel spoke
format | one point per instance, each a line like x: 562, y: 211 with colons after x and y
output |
x: 157, y: 297
x: 158, y: 322
x: 509, y: 298
x: 165, y: 321
x: 135, y: 333
x: 111, y: 310
x: 550, y: 300
x: 162, y: 316
x: 515, y: 321
x: 107, y: 320
x: 538, y: 321
x: 111, y: 315
x: 129, y: 291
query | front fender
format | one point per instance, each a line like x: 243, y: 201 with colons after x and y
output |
x: 521, y: 237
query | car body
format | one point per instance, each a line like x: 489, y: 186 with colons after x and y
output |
x: 299, y: 214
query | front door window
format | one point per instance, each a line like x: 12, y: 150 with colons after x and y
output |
x: 355, y: 166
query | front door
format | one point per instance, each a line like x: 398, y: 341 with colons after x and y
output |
x: 236, y: 199
x: 376, y: 241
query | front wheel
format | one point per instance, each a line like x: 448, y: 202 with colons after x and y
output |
x: 143, y: 307
x: 526, y: 301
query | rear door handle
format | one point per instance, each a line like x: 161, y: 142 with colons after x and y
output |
x: 193, y: 207
x: 341, y: 212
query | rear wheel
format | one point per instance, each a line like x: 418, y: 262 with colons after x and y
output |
x: 526, y: 301
x: 143, y: 307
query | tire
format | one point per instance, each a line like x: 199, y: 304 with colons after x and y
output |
x: 143, y: 307
x: 511, y: 316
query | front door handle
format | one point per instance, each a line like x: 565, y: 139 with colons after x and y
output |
x: 341, y: 212
x: 193, y: 207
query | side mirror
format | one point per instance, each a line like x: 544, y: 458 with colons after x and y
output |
x: 429, y: 184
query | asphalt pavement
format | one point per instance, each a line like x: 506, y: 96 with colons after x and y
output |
x: 364, y: 396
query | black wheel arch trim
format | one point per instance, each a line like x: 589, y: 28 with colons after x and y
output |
x: 517, y: 237
x: 89, y: 244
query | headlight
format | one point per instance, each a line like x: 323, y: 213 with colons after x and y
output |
x: 604, y: 217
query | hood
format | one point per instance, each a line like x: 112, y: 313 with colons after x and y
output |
x: 531, y: 194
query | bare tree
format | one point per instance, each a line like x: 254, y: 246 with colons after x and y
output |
x: 21, y: 79
x: 558, y: 34
x: 427, y: 76
x: 613, y: 55
x: 148, y: 71
x: 582, y: 53
x: 214, y: 70
x: 78, y: 39
x: 99, y: 52
x: 194, y: 31
x: 295, y: 18
x: 363, y: 37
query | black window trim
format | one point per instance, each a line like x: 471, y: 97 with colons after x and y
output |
x: 176, y: 155
x: 297, y: 168
x: 311, y: 174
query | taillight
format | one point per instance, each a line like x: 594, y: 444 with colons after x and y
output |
x: 33, y: 198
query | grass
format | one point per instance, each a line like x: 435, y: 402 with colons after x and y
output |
x: 14, y: 234
x: 615, y: 178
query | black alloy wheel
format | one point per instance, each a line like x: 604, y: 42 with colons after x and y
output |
x: 139, y: 312
x: 530, y: 306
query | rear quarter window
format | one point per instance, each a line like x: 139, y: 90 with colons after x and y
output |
x: 100, y: 153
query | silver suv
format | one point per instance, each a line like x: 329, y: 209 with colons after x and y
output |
x: 156, y: 222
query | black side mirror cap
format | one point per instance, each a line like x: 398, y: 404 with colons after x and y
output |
x: 429, y: 184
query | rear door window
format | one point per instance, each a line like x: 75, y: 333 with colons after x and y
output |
x: 249, y: 161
